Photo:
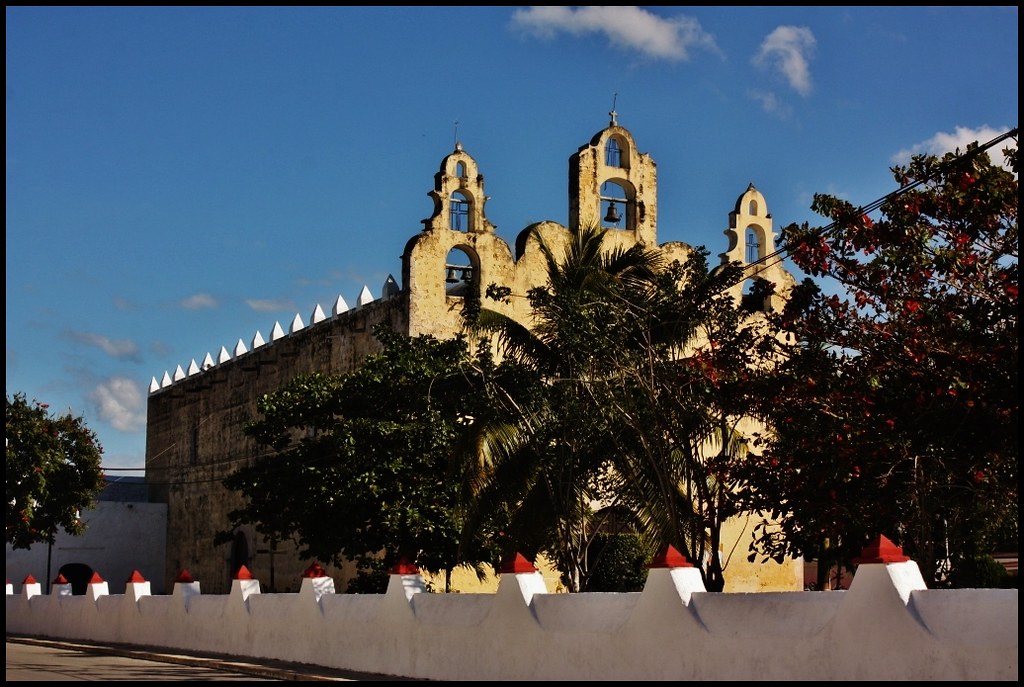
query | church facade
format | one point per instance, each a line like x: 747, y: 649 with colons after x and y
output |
x: 195, y: 420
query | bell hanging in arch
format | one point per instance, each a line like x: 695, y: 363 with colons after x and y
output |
x: 612, y: 217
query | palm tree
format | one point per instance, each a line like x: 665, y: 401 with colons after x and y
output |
x: 683, y: 397
x: 548, y: 475
x: 644, y: 371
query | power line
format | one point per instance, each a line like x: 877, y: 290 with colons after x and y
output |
x: 875, y: 205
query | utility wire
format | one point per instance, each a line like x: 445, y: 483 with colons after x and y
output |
x: 779, y: 255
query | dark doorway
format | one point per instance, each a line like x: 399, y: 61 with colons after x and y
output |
x: 78, y: 574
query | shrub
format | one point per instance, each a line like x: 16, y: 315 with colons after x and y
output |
x: 617, y: 563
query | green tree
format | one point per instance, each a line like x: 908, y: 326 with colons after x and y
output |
x: 647, y: 372
x: 365, y: 466
x: 549, y: 477
x: 53, y: 472
x: 619, y: 563
x: 685, y: 393
x: 898, y: 413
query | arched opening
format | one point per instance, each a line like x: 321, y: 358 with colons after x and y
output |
x: 614, y: 206
x: 459, y: 216
x: 616, y: 556
x: 756, y: 295
x: 78, y: 574
x: 460, y: 272
x: 754, y: 248
x: 460, y: 170
x: 613, y: 153
x: 752, y: 208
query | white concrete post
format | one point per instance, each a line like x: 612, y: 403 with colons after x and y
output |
x: 97, y: 587
x: 61, y: 587
x: 244, y: 585
x: 137, y: 586
x: 316, y: 582
x: 30, y: 587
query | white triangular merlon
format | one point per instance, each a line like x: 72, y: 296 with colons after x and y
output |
x: 318, y: 315
x: 240, y: 348
x: 296, y: 324
x: 154, y: 385
x: 179, y: 374
x: 224, y: 355
x: 193, y: 368
x: 207, y: 362
x: 390, y: 288
x: 340, y: 306
x: 277, y: 332
x: 257, y: 340
x: 166, y: 381
x: 365, y: 296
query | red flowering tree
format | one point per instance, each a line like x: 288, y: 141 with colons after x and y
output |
x: 898, y: 411
x: 53, y: 472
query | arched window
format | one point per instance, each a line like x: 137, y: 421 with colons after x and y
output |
x: 753, y: 246
x: 614, y: 205
x: 756, y: 295
x: 459, y: 220
x: 460, y: 170
x: 612, y: 153
x: 459, y: 273
x: 752, y: 208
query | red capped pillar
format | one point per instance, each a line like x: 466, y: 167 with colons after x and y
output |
x: 405, y: 579
x: 316, y: 582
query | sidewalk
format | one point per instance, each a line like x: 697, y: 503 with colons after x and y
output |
x: 256, y: 667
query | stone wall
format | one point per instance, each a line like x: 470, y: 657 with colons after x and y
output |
x: 194, y: 438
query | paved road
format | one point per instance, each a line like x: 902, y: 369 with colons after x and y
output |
x: 40, y: 660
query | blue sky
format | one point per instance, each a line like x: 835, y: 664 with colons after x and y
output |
x: 182, y: 178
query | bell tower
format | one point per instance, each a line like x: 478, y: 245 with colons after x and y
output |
x: 458, y: 196
x: 614, y: 186
x: 752, y: 244
x: 458, y: 252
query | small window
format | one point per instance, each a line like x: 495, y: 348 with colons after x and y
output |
x: 752, y: 208
x: 753, y: 246
x: 460, y: 170
x: 459, y: 212
x: 613, y: 153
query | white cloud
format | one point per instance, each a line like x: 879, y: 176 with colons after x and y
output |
x: 787, y: 50
x: 629, y: 27
x: 269, y: 306
x: 120, y: 401
x: 770, y: 103
x: 942, y: 143
x: 199, y: 301
x: 122, y: 349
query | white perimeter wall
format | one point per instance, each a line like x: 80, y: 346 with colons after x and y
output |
x: 887, y: 626
x: 120, y: 538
